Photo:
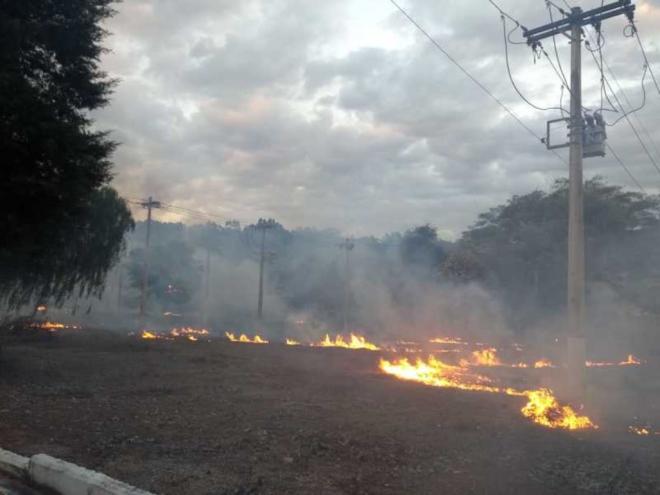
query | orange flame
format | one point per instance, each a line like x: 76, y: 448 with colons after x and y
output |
x: 543, y: 363
x: 639, y: 430
x: 356, y: 342
x: 51, y: 326
x: 292, y: 342
x: 630, y: 361
x: 244, y: 339
x: 483, y: 357
x: 447, y: 340
x: 147, y: 335
x: 192, y: 334
x: 542, y: 407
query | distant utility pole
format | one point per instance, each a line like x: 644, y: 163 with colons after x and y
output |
x: 263, y: 226
x: 573, y: 22
x: 347, y: 246
x: 207, y: 285
x: 149, y: 205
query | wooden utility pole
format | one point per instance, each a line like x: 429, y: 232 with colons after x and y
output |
x: 347, y: 245
x: 573, y: 22
x: 149, y: 205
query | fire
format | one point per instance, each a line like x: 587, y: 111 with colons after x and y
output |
x: 51, y: 326
x: 149, y: 335
x: 543, y: 363
x: 483, y: 357
x: 245, y: 339
x: 356, y: 342
x: 630, y: 361
x: 192, y: 334
x: 447, y: 340
x: 292, y: 342
x: 542, y: 407
x: 638, y: 430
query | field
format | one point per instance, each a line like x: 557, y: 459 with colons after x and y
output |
x: 218, y: 418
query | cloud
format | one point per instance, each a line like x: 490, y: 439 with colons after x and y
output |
x: 286, y: 109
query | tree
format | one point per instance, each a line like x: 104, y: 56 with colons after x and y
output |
x: 522, y: 245
x: 55, y: 166
x: 421, y: 250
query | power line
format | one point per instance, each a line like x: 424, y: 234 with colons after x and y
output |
x: 471, y: 77
x: 632, y: 126
x: 616, y: 157
x: 562, y: 77
x: 641, y: 47
x: 513, y: 82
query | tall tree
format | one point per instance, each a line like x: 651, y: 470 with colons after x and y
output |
x: 55, y: 165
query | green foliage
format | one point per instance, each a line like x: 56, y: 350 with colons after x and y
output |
x: 72, y: 257
x: 522, y: 245
x: 55, y: 166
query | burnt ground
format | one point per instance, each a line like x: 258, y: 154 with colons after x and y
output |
x: 236, y: 419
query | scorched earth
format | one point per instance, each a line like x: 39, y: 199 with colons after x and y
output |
x: 220, y: 418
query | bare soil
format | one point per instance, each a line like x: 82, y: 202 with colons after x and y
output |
x: 235, y: 419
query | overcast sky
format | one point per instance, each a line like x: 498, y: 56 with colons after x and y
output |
x: 340, y: 114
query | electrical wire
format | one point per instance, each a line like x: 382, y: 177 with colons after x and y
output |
x: 607, y: 82
x: 472, y: 78
x: 641, y: 47
x: 632, y: 126
x: 640, y: 106
x: 616, y: 157
x: 549, y: 4
x: 513, y: 82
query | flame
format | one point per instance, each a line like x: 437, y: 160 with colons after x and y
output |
x: 483, y: 357
x: 638, y: 430
x: 447, y: 340
x: 149, y: 335
x: 543, y: 363
x: 630, y: 361
x: 542, y: 407
x: 292, y: 342
x: 245, y: 339
x: 52, y: 326
x: 356, y: 342
x: 192, y: 334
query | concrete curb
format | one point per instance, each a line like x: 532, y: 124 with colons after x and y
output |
x: 63, y: 477
x: 13, y: 464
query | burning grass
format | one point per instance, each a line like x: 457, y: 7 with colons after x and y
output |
x: 52, y: 326
x: 244, y: 339
x: 184, y: 333
x: 629, y: 361
x: 542, y: 406
x: 355, y: 342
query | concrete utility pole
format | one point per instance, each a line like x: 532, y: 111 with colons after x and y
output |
x: 573, y: 22
x: 576, y: 348
x: 262, y: 225
x: 347, y: 246
x: 149, y: 205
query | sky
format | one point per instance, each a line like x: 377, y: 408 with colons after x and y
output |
x: 342, y: 115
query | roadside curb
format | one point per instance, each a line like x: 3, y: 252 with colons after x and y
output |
x: 63, y: 477
x: 13, y: 464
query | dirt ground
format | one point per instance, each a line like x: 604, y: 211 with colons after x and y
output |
x: 237, y: 419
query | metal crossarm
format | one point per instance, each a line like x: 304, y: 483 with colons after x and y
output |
x: 577, y: 17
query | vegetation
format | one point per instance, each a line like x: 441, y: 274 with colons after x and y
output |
x: 63, y: 227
